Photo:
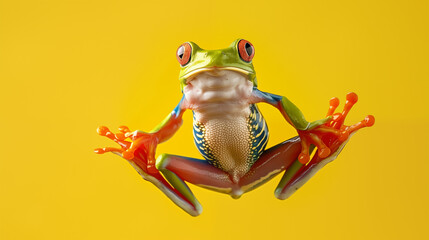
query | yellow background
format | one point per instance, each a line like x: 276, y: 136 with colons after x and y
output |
x: 67, y: 67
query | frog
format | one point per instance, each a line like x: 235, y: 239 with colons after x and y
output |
x: 221, y: 89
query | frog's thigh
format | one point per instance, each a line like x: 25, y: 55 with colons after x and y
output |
x: 270, y: 163
x: 195, y: 171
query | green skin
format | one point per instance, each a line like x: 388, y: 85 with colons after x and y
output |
x: 169, y: 172
x: 204, y: 60
x: 246, y: 171
x: 229, y: 58
x: 220, y: 58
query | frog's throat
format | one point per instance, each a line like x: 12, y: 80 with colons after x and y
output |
x: 188, y: 76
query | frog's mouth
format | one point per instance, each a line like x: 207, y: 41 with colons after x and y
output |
x: 190, y: 75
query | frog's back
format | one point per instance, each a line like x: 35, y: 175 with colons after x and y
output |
x: 229, y: 132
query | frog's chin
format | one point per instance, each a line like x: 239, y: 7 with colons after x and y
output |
x: 215, y: 70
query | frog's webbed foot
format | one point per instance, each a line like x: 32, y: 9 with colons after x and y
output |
x: 118, y: 138
x: 329, y: 138
x: 139, y: 149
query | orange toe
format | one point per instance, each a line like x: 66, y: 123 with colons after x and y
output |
x: 369, y: 120
x: 128, y: 155
x: 99, y: 151
x: 324, y: 152
x: 102, y: 130
x: 303, y: 158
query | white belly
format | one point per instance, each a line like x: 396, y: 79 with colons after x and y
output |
x: 220, y: 101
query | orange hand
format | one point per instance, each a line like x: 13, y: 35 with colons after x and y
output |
x: 326, y: 137
x: 140, y: 150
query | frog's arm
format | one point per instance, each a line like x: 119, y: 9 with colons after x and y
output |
x: 289, y: 111
x: 145, y: 142
x: 329, y: 135
x: 169, y: 126
x: 161, y: 133
x: 140, y: 152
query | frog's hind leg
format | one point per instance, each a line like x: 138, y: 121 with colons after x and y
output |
x: 272, y: 162
x: 298, y: 174
x: 333, y: 137
x: 178, y: 169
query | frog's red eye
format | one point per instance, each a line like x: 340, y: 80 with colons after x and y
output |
x: 184, y: 54
x: 246, y: 50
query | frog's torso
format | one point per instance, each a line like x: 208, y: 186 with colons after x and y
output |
x: 229, y: 131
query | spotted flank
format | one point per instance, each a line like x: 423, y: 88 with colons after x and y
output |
x: 258, y: 133
x: 202, y: 144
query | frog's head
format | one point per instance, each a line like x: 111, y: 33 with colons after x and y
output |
x: 237, y: 57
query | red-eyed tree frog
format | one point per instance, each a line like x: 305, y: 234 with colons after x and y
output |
x: 220, y: 88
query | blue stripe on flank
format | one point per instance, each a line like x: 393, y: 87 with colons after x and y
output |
x: 258, y: 138
x: 259, y: 133
x: 202, y: 146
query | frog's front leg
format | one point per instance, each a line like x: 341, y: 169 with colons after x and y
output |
x: 329, y: 135
x: 140, y: 153
x: 329, y: 138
